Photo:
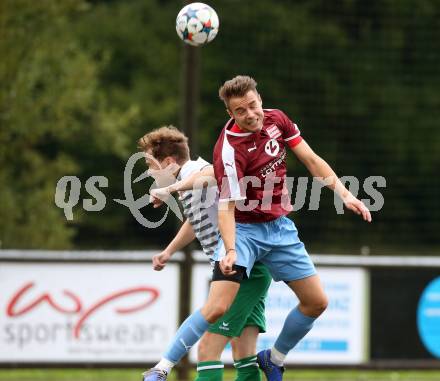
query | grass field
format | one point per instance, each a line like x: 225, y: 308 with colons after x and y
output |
x: 296, y: 375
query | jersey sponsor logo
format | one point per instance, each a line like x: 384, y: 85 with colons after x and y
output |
x: 26, y: 299
x: 273, y: 165
x: 272, y: 147
x: 273, y: 131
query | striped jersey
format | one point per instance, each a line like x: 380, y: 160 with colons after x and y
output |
x: 250, y: 167
x: 200, y: 207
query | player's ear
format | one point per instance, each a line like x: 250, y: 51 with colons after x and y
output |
x: 259, y: 98
x: 229, y: 113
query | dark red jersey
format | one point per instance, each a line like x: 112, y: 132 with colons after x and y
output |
x: 250, y: 167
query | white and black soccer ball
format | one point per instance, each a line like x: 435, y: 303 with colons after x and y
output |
x: 197, y: 24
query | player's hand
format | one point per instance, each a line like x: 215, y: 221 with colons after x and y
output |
x: 357, y: 206
x: 158, y: 196
x: 155, y: 201
x: 227, y: 263
x: 160, y: 260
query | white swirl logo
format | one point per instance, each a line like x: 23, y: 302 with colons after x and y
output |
x: 162, y: 178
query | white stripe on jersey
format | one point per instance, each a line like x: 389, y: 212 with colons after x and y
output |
x: 228, y: 159
x: 238, y: 133
x: 293, y: 137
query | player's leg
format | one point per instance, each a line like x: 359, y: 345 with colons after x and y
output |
x: 290, y: 262
x: 221, y: 295
x: 312, y: 303
x: 245, y: 346
x: 211, y: 346
x: 209, y: 366
x: 247, y: 310
x: 244, y: 351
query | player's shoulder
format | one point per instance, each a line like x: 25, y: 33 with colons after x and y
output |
x: 280, y: 119
x: 275, y: 114
x: 192, y: 166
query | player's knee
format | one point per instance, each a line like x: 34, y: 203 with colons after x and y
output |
x: 315, y: 307
x: 214, y: 310
x: 320, y: 305
x: 217, y: 311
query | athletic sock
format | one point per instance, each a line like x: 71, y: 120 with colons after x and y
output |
x: 295, y: 328
x: 165, y: 365
x: 210, y: 371
x: 187, y: 335
x: 247, y: 369
x: 277, y: 357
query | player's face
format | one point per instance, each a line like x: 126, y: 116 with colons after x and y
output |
x: 247, y: 111
x: 160, y: 168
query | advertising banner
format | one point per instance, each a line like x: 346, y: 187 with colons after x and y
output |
x: 405, y: 315
x: 339, y: 336
x: 86, y: 312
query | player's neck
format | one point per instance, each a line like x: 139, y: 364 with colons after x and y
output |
x: 180, y: 167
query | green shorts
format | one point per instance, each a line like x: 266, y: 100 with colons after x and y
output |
x: 248, y: 307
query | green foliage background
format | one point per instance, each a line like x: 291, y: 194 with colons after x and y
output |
x: 81, y: 81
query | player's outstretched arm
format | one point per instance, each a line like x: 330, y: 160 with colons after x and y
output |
x: 197, y: 180
x: 226, y: 226
x: 319, y: 168
x: 184, y: 236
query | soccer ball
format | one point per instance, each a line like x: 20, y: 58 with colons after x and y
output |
x: 197, y: 24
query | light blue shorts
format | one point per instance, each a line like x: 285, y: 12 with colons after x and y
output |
x: 275, y: 244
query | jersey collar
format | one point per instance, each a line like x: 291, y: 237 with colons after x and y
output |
x: 234, y: 130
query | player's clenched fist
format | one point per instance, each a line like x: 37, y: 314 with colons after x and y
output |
x: 158, y: 196
x: 160, y: 260
x: 227, y: 262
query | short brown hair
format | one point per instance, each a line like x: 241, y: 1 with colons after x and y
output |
x: 166, y: 141
x: 236, y: 87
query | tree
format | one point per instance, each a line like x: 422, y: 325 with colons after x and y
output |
x: 53, y: 113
